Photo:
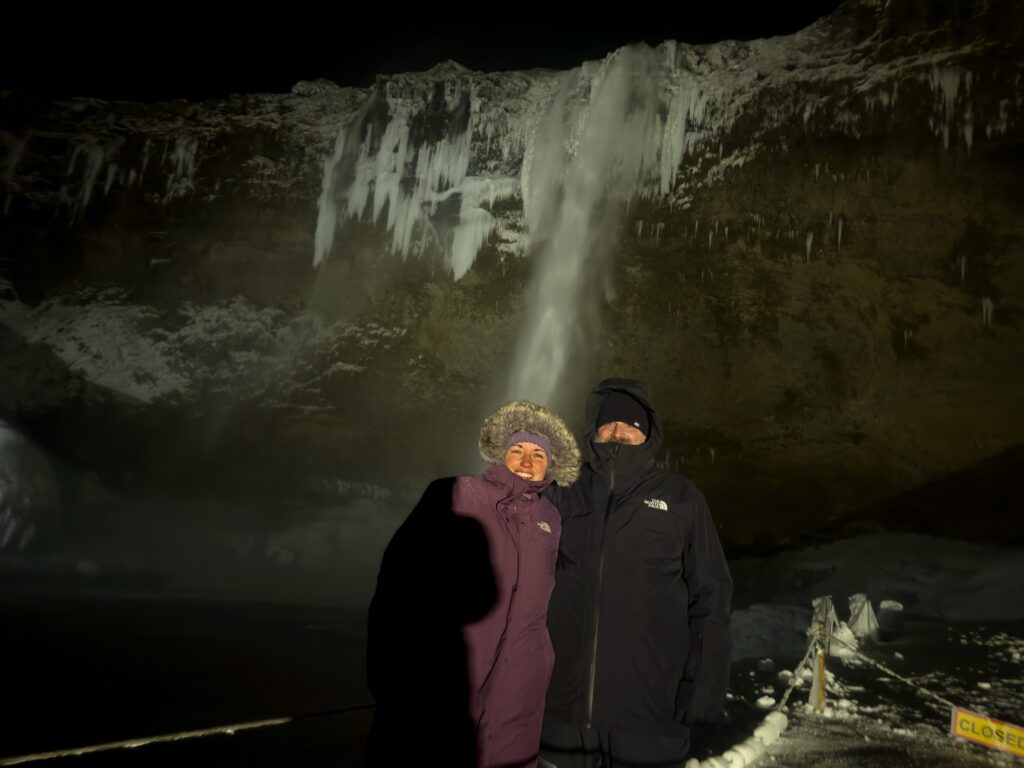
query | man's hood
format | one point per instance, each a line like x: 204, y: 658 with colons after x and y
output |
x: 639, y: 391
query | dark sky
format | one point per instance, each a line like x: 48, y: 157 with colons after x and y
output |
x: 190, y: 54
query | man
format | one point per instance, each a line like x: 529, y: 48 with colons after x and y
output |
x: 639, y: 617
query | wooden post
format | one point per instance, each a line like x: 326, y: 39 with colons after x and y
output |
x: 817, y: 697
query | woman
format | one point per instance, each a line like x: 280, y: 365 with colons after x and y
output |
x: 459, y: 657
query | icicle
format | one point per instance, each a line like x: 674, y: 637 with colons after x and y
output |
x: 963, y: 268
x: 184, y: 159
x: 946, y: 83
x: 839, y: 235
x: 809, y: 242
x: 987, y: 308
x: 111, y: 172
x: 94, y: 163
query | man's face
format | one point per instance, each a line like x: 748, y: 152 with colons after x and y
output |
x: 620, y: 432
x: 527, y: 460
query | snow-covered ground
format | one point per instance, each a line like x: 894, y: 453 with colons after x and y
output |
x: 952, y: 633
x: 879, y: 718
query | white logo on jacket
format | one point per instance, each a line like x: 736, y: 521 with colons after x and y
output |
x: 544, y: 527
x: 656, y: 504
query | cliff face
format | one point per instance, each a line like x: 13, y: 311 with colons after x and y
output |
x: 810, y: 245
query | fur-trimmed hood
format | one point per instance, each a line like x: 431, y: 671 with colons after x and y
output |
x: 522, y: 415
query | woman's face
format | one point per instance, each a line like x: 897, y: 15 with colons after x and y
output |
x: 527, y: 460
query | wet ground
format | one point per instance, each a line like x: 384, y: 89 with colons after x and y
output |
x: 81, y: 670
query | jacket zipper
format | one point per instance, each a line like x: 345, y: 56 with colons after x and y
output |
x: 597, y: 592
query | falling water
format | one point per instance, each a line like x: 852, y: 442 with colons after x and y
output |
x: 574, y: 210
x: 613, y: 132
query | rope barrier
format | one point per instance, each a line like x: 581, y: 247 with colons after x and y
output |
x: 227, y: 730
x: 879, y: 665
x: 796, y: 677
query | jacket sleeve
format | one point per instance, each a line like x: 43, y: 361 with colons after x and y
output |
x: 556, y: 495
x: 701, y: 695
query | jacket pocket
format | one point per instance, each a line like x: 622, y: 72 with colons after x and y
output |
x: 701, y: 696
x: 687, y: 698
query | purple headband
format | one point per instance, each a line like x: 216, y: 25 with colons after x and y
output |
x: 529, y: 437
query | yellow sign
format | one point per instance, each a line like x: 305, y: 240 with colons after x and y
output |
x: 987, y: 732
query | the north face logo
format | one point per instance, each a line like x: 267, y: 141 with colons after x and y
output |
x: 656, y: 504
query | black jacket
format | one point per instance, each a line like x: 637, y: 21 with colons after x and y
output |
x: 639, y: 617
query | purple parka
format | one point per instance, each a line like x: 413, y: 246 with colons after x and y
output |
x: 509, y: 653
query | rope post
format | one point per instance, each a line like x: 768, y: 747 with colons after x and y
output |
x: 822, y: 629
x: 817, y: 696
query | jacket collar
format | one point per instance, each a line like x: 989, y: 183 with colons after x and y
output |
x: 629, y: 462
x: 515, y: 485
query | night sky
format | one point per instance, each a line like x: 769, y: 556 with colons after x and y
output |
x: 186, y: 54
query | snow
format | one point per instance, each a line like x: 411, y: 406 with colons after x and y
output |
x: 862, y: 616
x: 931, y: 576
x: 898, y: 699
x: 235, y: 346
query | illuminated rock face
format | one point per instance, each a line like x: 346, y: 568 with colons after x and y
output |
x: 810, y: 246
